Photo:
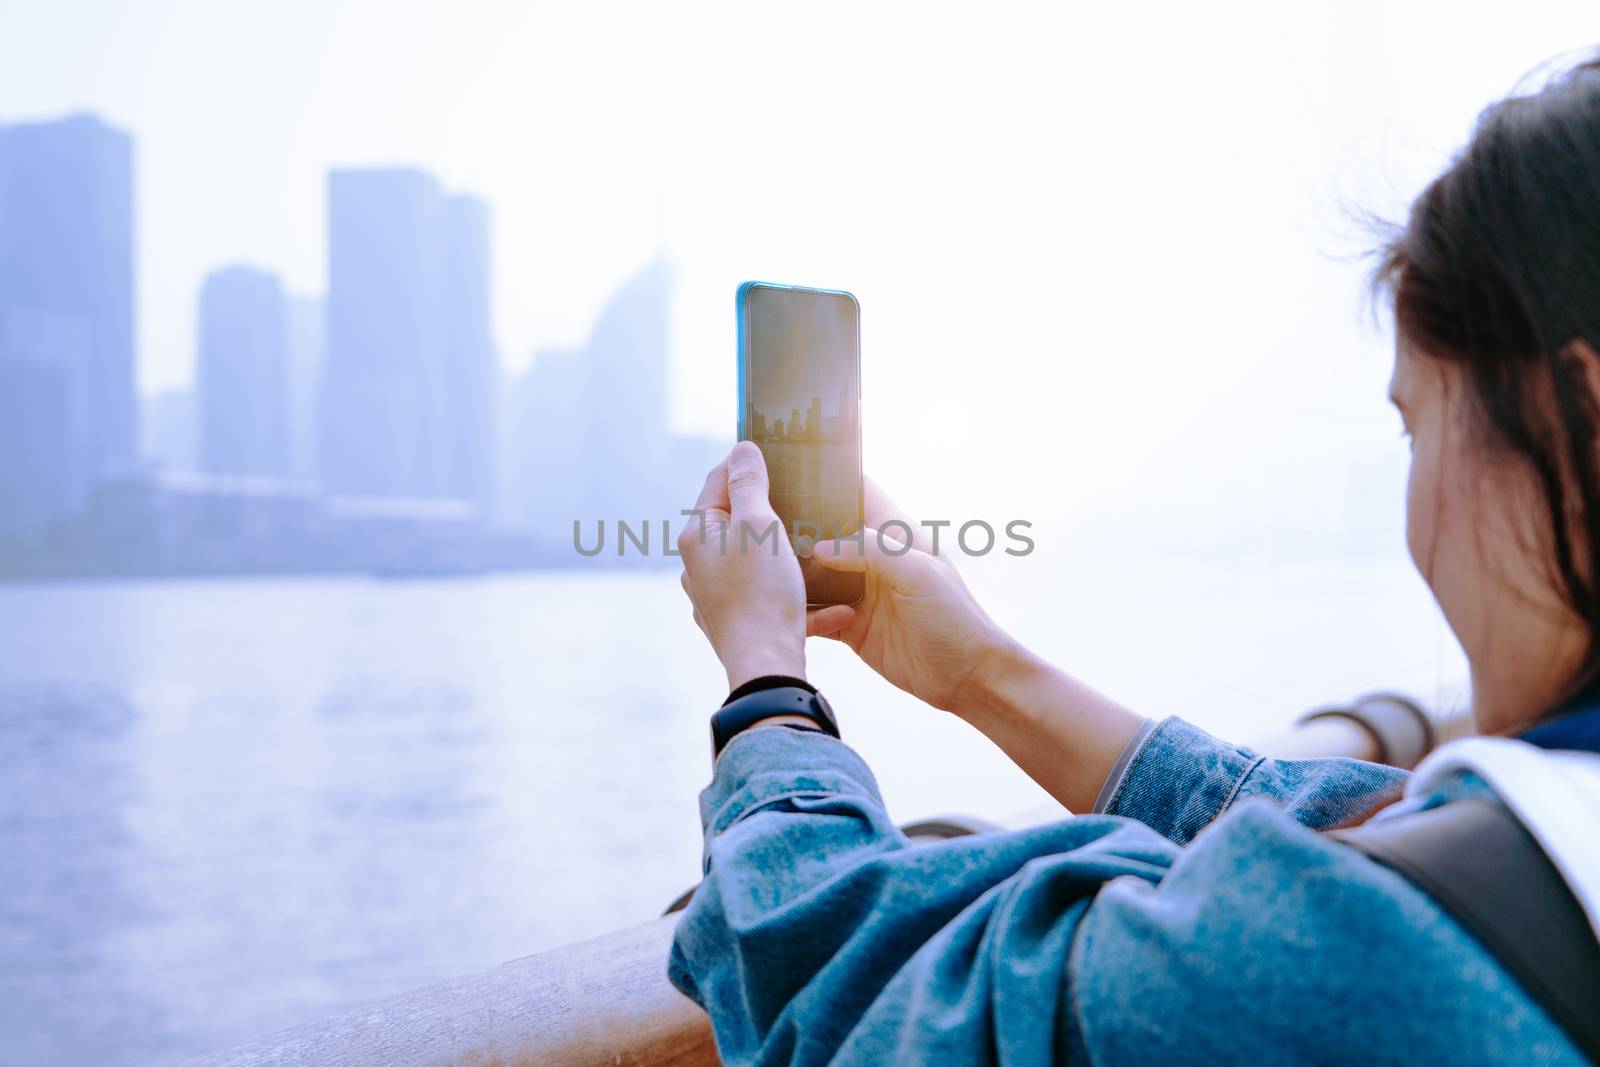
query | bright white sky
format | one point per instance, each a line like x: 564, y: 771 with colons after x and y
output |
x: 1107, y: 238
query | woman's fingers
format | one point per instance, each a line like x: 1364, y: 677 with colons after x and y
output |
x: 874, y: 550
x: 840, y: 555
x: 828, y: 621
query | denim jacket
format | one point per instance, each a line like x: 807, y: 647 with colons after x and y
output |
x: 1201, y: 919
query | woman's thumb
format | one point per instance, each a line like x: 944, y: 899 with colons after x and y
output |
x: 747, y: 481
x: 870, y: 549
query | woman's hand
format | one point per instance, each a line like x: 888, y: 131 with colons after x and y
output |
x: 916, y: 624
x: 741, y: 574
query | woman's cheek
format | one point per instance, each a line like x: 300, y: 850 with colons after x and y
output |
x: 1440, y: 532
x: 1422, y: 505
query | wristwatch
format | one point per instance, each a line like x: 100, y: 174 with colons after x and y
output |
x: 762, y: 698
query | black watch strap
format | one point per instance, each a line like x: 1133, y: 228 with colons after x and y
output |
x: 768, y: 681
x: 743, y: 711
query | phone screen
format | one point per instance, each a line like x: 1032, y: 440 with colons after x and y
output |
x: 802, y: 406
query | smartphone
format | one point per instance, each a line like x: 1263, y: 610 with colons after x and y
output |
x: 800, y: 402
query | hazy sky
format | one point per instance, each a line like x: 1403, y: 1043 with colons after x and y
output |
x: 1111, y: 240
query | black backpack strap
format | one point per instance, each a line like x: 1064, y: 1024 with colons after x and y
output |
x: 1478, y: 862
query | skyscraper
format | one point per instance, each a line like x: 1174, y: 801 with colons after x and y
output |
x: 243, y: 374
x: 67, y: 406
x: 382, y: 317
x: 624, y: 424
x: 408, y: 380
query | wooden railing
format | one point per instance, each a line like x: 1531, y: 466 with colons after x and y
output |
x: 600, y: 1002
x: 605, y: 1001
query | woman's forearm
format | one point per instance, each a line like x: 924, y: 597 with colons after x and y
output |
x: 1063, y: 734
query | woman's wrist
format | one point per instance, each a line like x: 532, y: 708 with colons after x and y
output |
x: 787, y: 720
x: 998, y: 672
x: 1063, y: 734
x: 782, y: 658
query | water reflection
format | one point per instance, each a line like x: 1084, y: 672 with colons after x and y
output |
x: 229, y: 807
x: 66, y: 852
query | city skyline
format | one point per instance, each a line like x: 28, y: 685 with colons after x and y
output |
x: 777, y: 416
x: 371, y: 426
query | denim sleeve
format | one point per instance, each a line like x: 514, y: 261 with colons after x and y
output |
x: 821, y: 935
x: 1180, y: 778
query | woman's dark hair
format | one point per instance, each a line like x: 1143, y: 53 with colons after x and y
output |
x: 1497, y: 271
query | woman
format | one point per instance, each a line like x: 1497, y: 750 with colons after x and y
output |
x: 1198, y: 916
